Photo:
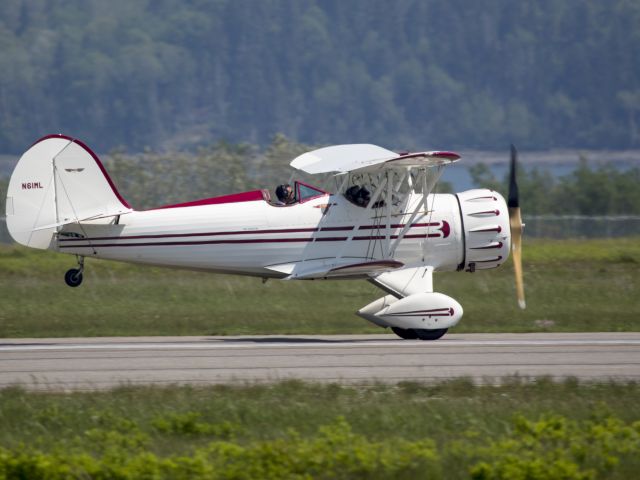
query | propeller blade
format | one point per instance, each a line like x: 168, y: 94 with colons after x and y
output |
x: 515, y: 222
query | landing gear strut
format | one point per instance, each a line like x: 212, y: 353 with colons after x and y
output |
x: 73, y: 277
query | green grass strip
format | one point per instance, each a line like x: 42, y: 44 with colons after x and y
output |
x: 575, y: 285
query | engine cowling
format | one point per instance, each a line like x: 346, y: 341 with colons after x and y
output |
x: 485, y: 223
x: 430, y: 310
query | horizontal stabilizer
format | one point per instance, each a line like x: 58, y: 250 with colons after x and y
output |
x: 69, y: 222
x: 285, y: 268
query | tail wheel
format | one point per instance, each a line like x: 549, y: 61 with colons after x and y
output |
x: 407, y: 334
x: 424, y: 334
x: 73, y: 277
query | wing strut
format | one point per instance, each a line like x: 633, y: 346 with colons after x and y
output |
x: 427, y: 187
x: 358, y: 224
x: 388, y: 205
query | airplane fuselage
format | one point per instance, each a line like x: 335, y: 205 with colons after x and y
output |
x: 251, y: 237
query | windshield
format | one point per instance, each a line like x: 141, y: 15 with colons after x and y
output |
x: 306, y: 192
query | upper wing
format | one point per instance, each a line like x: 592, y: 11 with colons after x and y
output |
x: 366, y: 157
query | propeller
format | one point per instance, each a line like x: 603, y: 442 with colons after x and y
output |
x: 515, y: 222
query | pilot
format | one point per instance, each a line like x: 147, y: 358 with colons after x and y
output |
x: 358, y: 195
x: 363, y: 197
x: 285, y: 194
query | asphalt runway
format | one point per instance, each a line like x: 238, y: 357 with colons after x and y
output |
x: 100, y: 363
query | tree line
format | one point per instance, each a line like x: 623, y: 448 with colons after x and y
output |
x: 150, y: 179
x: 588, y: 190
x: 413, y: 74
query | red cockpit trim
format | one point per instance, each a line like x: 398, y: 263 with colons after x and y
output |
x: 252, y: 196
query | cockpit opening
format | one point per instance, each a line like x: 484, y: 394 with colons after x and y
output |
x: 299, y: 193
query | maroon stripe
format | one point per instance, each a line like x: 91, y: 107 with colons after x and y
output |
x: 399, y: 225
x: 393, y: 237
x: 432, y: 310
x: 443, y: 154
x: 203, y: 242
x: 251, y: 196
x: 205, y: 234
x: 248, y: 232
x: 331, y: 239
x: 335, y: 229
x: 236, y: 241
x: 431, y: 235
x: 445, y: 229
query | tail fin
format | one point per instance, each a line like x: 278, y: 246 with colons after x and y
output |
x: 58, y: 181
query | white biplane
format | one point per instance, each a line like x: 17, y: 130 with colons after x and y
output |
x: 383, y: 224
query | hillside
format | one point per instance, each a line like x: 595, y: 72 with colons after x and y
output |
x: 175, y: 74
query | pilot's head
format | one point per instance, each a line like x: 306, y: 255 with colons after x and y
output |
x: 284, y: 192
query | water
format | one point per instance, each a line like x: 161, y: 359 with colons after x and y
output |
x: 557, y: 162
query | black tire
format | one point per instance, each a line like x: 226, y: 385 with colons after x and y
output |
x: 73, y: 277
x: 405, y: 333
x: 424, y: 334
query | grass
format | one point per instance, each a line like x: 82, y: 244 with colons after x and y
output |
x: 574, y: 285
x: 461, y: 424
x: 455, y: 429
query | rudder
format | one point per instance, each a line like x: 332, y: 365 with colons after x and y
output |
x: 58, y: 181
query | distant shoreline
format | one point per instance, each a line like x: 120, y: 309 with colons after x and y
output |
x: 618, y: 158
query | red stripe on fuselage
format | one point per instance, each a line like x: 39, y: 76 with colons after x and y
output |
x: 256, y: 232
x: 203, y: 234
x: 236, y: 241
x: 398, y: 225
x: 197, y: 242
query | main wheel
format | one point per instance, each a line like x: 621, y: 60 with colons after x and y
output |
x: 407, y: 334
x: 424, y: 334
x: 73, y: 277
